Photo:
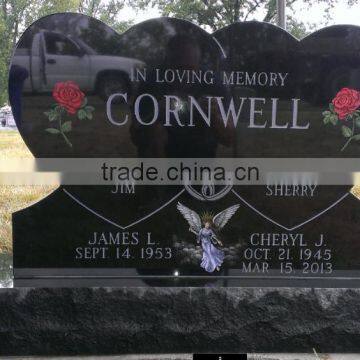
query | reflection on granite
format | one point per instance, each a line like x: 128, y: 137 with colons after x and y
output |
x: 6, y: 276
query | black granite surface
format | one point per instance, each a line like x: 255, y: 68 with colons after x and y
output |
x: 177, y: 320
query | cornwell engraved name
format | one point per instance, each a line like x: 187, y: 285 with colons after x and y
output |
x: 170, y: 108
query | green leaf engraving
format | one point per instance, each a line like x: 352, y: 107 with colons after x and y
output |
x: 346, y: 131
x: 81, y: 114
x: 52, y: 131
x: 66, y: 126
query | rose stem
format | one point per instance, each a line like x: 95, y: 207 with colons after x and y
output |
x: 351, y: 137
x: 63, y: 134
x: 66, y: 139
x: 346, y: 144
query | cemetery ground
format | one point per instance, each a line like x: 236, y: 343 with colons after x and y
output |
x: 14, y: 198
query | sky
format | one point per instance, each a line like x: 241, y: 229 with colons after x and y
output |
x: 341, y: 14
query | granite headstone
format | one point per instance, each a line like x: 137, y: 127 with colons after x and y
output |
x: 168, y: 89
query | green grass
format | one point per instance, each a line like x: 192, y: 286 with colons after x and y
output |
x: 12, y: 145
x: 14, y: 198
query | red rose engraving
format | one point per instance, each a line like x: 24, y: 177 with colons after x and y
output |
x: 346, y: 102
x: 68, y: 95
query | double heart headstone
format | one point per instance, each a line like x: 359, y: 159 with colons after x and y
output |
x: 168, y: 89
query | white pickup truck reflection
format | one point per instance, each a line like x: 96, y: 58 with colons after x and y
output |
x: 54, y: 57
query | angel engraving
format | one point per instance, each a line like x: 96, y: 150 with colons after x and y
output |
x: 213, y: 257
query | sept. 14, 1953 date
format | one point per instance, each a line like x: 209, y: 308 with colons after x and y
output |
x: 143, y: 253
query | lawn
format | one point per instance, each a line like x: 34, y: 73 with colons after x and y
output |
x: 13, y: 198
x: 12, y: 145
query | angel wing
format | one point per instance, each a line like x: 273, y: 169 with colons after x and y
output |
x: 224, y: 216
x: 191, y: 216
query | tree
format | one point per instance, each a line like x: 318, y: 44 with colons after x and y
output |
x: 17, y: 15
x: 215, y: 14
x: 106, y: 11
